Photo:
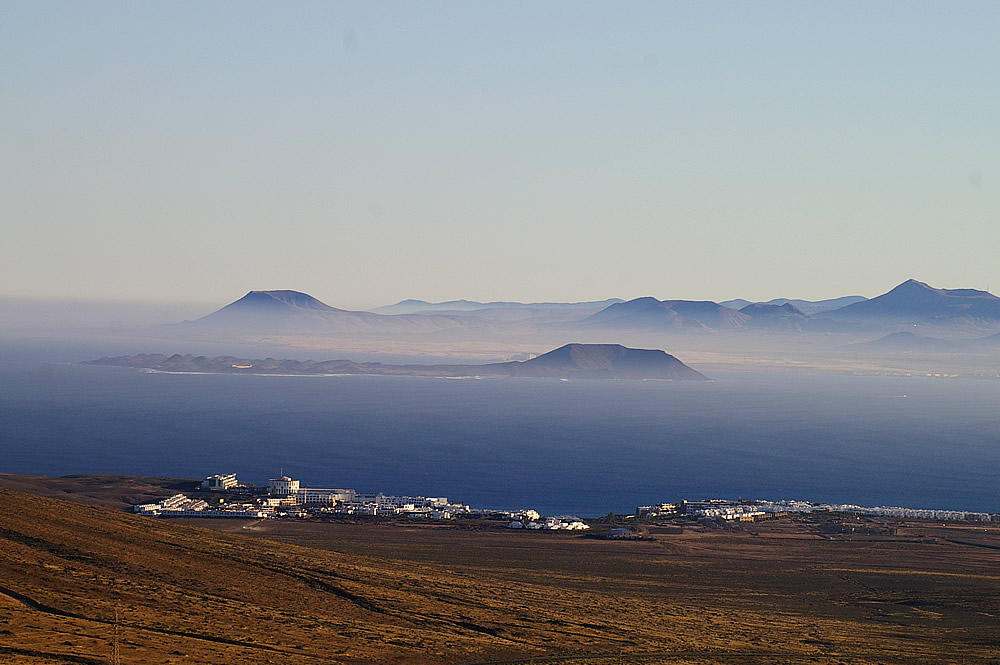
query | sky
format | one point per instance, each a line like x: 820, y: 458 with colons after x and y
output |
x: 367, y: 152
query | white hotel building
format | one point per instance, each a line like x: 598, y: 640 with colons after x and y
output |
x: 283, y: 486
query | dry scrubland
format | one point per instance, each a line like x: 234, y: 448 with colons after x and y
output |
x: 283, y: 592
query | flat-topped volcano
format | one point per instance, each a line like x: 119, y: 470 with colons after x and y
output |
x: 612, y: 361
x: 582, y: 361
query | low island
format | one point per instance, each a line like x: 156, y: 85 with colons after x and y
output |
x: 577, y: 361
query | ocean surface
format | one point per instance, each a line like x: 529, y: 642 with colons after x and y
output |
x: 560, y: 447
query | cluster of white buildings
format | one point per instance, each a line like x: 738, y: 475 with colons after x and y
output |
x: 351, y: 502
x: 748, y: 511
x: 286, y: 496
x: 913, y: 513
x: 558, y: 523
x: 738, y: 513
x: 179, y: 505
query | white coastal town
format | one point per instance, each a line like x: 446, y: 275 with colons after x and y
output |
x: 759, y: 509
x: 224, y: 496
x: 285, y: 497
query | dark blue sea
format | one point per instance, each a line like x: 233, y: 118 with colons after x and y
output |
x: 584, y: 447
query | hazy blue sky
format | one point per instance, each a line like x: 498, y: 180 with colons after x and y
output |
x: 368, y: 152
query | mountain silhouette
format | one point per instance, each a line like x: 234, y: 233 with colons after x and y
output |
x: 914, y: 302
x: 293, y: 312
x: 807, y: 307
x: 650, y: 313
x: 603, y: 361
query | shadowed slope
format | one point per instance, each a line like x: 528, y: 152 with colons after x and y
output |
x: 786, y: 316
x: 187, y: 594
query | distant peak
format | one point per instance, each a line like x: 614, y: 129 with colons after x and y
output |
x: 913, y: 283
x: 285, y: 296
x: 269, y: 304
x: 281, y: 294
x: 913, y: 286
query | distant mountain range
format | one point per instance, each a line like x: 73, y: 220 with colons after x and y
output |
x: 677, y: 314
x: 912, y: 303
x: 581, y: 361
x: 292, y: 312
x: 916, y: 302
x: 807, y: 307
x: 536, y: 313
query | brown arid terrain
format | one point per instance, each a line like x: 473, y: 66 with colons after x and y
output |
x: 826, y: 589
x: 109, y: 491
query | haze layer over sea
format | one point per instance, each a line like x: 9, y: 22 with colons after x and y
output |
x: 584, y: 447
